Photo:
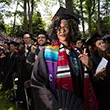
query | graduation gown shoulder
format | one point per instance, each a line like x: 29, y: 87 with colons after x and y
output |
x: 39, y: 84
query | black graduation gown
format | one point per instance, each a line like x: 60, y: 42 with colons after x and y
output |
x: 101, y: 87
x: 2, y: 68
x: 10, y: 69
x: 42, y: 95
x: 24, y: 74
x: 31, y: 56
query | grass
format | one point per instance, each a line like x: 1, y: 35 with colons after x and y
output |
x: 4, y: 103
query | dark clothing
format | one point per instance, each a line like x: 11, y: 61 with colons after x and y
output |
x: 24, y: 73
x: 43, y: 95
x: 10, y: 69
x: 2, y: 68
x: 24, y: 69
x: 102, y: 87
x: 31, y: 56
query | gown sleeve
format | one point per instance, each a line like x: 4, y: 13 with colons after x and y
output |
x: 41, y: 95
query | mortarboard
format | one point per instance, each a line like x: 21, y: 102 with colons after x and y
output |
x: 14, y: 43
x: 96, y: 36
x: 66, y: 14
x: 29, y: 35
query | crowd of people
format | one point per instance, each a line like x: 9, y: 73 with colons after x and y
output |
x: 53, y: 72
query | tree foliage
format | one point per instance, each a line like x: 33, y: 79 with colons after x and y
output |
x: 87, y: 9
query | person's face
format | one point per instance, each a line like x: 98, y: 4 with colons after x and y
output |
x: 63, y: 31
x: 12, y: 47
x: 79, y: 44
x: 41, y: 39
x: 101, y: 45
x: 20, y: 46
x: 27, y: 38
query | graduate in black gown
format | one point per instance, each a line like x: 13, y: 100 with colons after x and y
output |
x: 24, y: 69
x: 57, y: 80
x: 10, y: 68
x: 101, y: 79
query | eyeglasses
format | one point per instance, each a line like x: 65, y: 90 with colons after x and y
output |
x: 64, y: 27
x: 26, y: 37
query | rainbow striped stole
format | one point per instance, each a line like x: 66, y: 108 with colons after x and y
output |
x: 51, y: 58
x: 51, y: 53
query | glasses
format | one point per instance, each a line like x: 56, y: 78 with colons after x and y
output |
x: 26, y: 37
x: 64, y: 27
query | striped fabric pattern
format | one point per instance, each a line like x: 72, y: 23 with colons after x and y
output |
x: 51, y: 53
x: 63, y: 65
x: 60, y: 77
x: 63, y: 77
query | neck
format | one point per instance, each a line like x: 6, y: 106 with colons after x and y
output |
x: 65, y: 43
x: 40, y: 47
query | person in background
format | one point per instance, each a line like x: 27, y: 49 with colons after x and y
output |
x: 79, y: 44
x: 101, y: 79
x: 3, y: 60
x: 10, y: 69
x: 39, y: 44
x: 24, y: 69
x: 59, y: 69
x: 41, y: 39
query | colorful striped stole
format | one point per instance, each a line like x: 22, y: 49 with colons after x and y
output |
x: 51, y: 56
x: 58, y: 67
x: 64, y: 78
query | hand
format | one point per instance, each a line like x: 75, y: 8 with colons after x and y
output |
x: 85, y: 59
x: 100, y: 74
x: 2, y: 55
x: 33, y: 49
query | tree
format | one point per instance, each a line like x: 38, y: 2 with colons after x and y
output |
x: 25, y: 23
x: 98, y: 20
x: 30, y: 14
x: 69, y: 5
x: 2, y: 28
x: 90, y: 8
x: 82, y: 16
x: 105, y: 15
x: 3, y: 4
x: 38, y: 24
x: 13, y: 28
x: 61, y: 2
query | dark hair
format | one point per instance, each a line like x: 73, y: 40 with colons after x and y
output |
x: 28, y: 34
x: 52, y: 33
x: 42, y: 32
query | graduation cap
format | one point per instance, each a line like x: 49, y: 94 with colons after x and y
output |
x: 64, y: 13
x: 14, y: 43
x: 96, y: 36
x: 28, y: 35
x: 42, y: 32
